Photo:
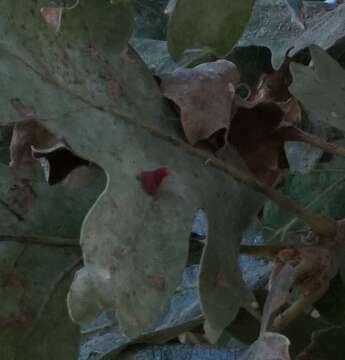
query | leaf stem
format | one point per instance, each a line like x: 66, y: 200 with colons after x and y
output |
x: 284, y: 229
x: 41, y: 240
x: 261, y: 250
x: 294, y: 134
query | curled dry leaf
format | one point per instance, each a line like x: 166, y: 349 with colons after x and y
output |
x: 269, y: 346
x: 205, y: 95
x: 268, y: 119
x: 279, y: 292
x: 252, y: 133
x: 274, y: 87
x: 273, y: 345
x: 306, y: 270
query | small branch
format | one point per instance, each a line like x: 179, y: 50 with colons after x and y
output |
x: 41, y: 240
x: 261, y: 250
x: 95, y: 329
x: 295, y: 134
x: 284, y: 229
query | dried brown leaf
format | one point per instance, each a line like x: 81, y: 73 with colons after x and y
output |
x: 252, y: 134
x: 27, y: 133
x: 205, y: 96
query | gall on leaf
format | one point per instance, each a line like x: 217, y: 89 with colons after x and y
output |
x: 151, y: 181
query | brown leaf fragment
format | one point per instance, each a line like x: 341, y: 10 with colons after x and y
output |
x: 157, y: 282
x: 274, y: 87
x: 30, y: 142
x: 252, y: 134
x: 279, y: 292
x: 27, y: 133
x: 313, y: 266
x: 114, y: 89
x: 52, y: 17
x: 205, y: 96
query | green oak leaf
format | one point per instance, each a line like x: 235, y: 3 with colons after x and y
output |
x: 39, y: 253
x: 89, y: 89
x: 321, y: 88
x: 271, y: 26
x: 215, y: 25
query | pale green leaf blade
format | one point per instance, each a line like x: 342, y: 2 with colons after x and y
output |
x: 271, y: 26
x: 297, y: 11
x: 89, y: 89
x: 321, y: 88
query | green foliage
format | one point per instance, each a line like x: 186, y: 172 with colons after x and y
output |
x: 39, y: 254
x: 89, y: 88
x: 321, y: 88
x: 212, y: 25
x: 271, y: 26
x: 319, y: 190
x: 103, y: 102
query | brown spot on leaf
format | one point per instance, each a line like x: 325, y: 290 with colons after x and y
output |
x: 221, y: 280
x: 114, y: 89
x: 156, y: 282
